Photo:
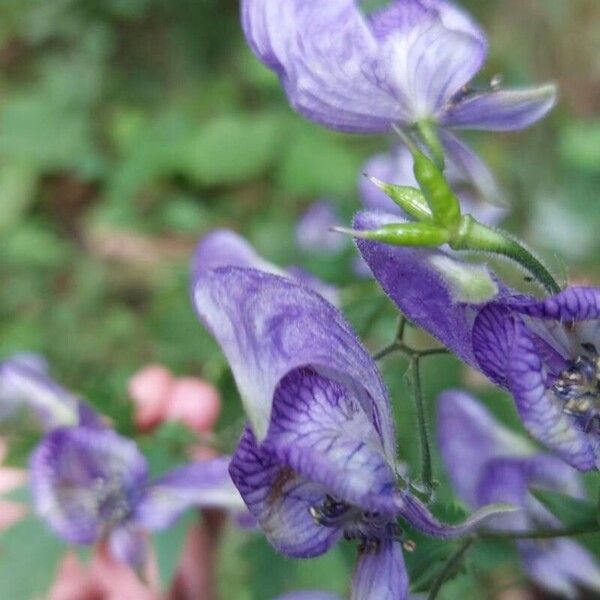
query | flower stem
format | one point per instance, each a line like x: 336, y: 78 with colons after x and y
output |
x: 450, y: 567
x: 539, y: 534
x: 415, y: 380
x: 475, y: 236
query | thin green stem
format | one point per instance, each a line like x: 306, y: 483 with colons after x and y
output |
x: 474, y: 236
x: 450, y: 567
x: 415, y: 380
x: 540, y: 534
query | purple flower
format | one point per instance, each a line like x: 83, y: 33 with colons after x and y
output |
x: 317, y: 462
x: 545, y: 352
x: 408, y: 62
x: 312, y: 230
x: 92, y: 484
x: 223, y: 247
x: 489, y: 463
x: 396, y: 167
x: 25, y: 383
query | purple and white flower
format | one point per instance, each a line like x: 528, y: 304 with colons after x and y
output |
x: 396, y: 167
x: 223, y: 247
x: 409, y: 62
x: 544, y: 352
x: 92, y: 484
x: 317, y: 461
x: 487, y: 462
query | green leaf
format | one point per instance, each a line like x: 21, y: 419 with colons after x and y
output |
x: 233, y: 148
x: 29, y: 557
x: 572, y: 512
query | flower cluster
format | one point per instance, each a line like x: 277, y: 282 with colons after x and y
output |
x: 317, y: 461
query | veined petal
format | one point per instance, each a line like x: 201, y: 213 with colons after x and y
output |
x: 322, y: 433
x: 268, y: 326
x: 381, y: 574
x: 560, y: 566
x: 86, y: 480
x: 323, y: 53
x: 204, y: 484
x: 281, y: 501
x: 469, y: 437
x: 223, y: 248
x: 418, y: 515
x: 509, y: 353
x: 418, y: 288
x: 504, y: 110
x: 356, y: 73
x: 430, y: 61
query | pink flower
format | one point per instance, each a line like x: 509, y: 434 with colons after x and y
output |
x: 159, y: 397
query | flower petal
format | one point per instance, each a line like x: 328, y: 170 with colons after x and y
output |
x: 560, y: 566
x: 469, y: 437
x: 84, y: 479
x: 508, y: 351
x: 321, y: 432
x: 313, y: 229
x: 505, y: 110
x: 381, y: 574
x: 223, y: 248
x: 203, y: 484
x: 353, y: 73
x: 280, y: 500
x: 417, y: 287
x: 323, y: 53
x: 268, y: 326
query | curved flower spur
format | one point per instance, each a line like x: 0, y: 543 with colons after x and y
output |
x: 317, y: 461
x: 489, y: 463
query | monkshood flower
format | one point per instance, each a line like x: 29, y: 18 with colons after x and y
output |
x: 26, y: 384
x: 90, y: 485
x: 317, y: 462
x: 313, y: 230
x: 488, y: 463
x: 396, y: 167
x: 546, y: 353
x: 223, y: 247
x: 409, y: 62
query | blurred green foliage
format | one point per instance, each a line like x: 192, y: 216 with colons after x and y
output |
x: 128, y: 128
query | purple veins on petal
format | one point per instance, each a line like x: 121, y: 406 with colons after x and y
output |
x: 223, y: 247
x: 545, y: 352
x: 406, y: 62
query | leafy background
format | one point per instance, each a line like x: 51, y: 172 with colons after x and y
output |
x: 128, y: 128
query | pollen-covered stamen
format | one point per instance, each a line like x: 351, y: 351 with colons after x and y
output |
x: 333, y: 513
x: 578, y: 386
